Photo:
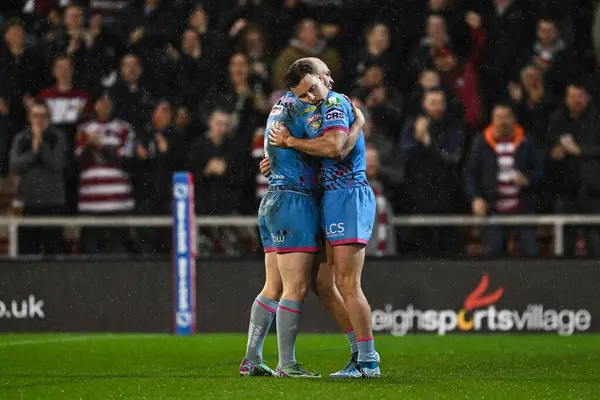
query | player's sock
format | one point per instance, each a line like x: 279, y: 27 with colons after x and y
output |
x: 351, y: 336
x: 366, y: 350
x: 288, y: 321
x: 261, y: 316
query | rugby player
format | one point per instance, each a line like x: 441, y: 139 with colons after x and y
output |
x: 289, y: 225
x: 348, y: 203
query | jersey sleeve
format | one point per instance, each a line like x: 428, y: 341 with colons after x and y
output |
x: 335, y: 114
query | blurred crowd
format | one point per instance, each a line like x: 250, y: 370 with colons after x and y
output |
x: 479, y: 107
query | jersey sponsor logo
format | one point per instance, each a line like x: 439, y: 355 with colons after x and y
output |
x: 333, y: 102
x: 276, y: 110
x: 307, y: 110
x: 315, y: 122
x: 279, y: 236
x: 334, y: 230
x: 334, y: 115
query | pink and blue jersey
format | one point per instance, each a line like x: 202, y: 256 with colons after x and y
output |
x: 290, y: 170
x: 348, y: 202
x: 288, y: 216
x: 336, y: 113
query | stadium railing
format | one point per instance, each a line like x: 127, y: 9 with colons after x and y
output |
x: 557, y: 221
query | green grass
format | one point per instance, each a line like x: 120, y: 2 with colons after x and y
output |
x: 205, y: 367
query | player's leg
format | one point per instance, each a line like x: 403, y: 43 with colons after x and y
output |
x: 348, y: 229
x: 323, y: 284
x: 265, y: 305
x: 261, y: 317
x: 295, y: 270
x: 294, y: 224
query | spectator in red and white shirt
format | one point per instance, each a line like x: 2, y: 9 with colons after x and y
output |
x: 68, y: 104
x: 502, y: 177
x: 104, y: 150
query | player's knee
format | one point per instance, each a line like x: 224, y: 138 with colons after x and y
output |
x: 296, y: 290
x: 272, y: 291
x: 324, y: 286
x: 347, y: 282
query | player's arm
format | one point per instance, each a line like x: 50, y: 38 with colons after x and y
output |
x: 354, y: 132
x: 331, y: 144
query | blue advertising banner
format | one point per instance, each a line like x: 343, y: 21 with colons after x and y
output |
x: 184, y: 253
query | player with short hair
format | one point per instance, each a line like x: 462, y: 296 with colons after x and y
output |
x: 289, y: 225
x: 348, y: 203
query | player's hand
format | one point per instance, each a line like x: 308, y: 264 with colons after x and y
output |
x: 278, y: 135
x: 265, y: 167
x: 359, y: 117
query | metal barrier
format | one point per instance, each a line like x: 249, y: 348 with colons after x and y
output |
x: 557, y: 221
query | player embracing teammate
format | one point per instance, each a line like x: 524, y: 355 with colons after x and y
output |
x: 314, y: 121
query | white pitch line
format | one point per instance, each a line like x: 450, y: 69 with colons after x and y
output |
x: 68, y: 339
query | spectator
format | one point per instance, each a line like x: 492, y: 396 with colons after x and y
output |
x: 67, y: 103
x: 212, y: 160
x: 69, y: 106
x: 182, y: 123
x: 38, y: 157
x: 256, y: 49
x: 70, y: 40
x: 508, y: 32
x: 574, y: 142
x: 20, y: 73
x: 104, y: 151
x: 385, y: 104
x: 463, y: 77
x: 376, y: 51
x: 306, y: 43
x: 103, y: 47
x: 383, y: 242
x: 210, y: 38
x: 533, y: 104
x: 502, y: 178
x: 133, y: 102
x: 431, y: 147
x: 215, y: 162
x: 193, y: 62
x: 160, y: 150
x: 429, y: 79
x: 149, y: 29
x: 246, y: 103
x: 435, y: 41
x: 551, y: 54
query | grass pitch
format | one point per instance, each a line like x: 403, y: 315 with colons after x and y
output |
x: 205, y: 367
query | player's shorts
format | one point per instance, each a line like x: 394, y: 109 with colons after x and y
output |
x: 289, y: 222
x: 347, y: 215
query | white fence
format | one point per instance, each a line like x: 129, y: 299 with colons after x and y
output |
x: 557, y: 221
